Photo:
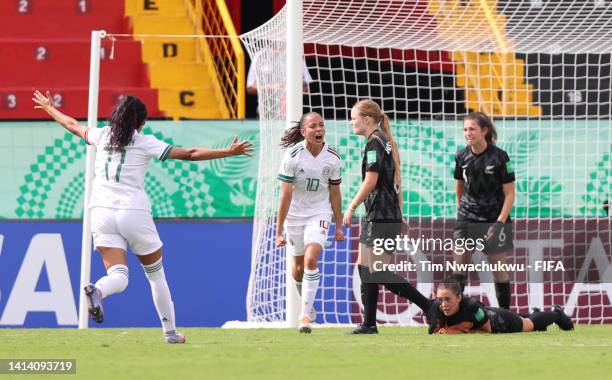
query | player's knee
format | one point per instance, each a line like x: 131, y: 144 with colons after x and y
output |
x: 311, y: 263
x: 311, y: 256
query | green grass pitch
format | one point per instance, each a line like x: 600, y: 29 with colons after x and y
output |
x: 407, y: 353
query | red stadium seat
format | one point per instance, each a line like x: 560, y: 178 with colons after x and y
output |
x: 45, y: 44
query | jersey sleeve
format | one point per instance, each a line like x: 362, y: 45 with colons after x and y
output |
x: 156, y: 148
x: 93, y: 136
x: 478, y: 314
x: 458, y: 174
x: 334, y: 176
x: 374, y: 153
x: 286, y: 173
x: 507, y: 170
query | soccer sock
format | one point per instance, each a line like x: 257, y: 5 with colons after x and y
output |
x: 298, y: 286
x: 369, y: 296
x: 115, y: 281
x: 542, y: 319
x: 400, y: 286
x: 502, y: 289
x: 161, y: 295
x: 310, y: 284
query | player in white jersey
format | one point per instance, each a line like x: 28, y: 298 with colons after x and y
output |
x: 120, y: 208
x: 310, y: 191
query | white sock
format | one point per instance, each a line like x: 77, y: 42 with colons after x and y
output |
x: 115, y: 281
x: 298, y: 286
x: 310, y: 284
x: 161, y: 295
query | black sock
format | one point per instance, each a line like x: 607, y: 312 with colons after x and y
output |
x: 369, y: 296
x: 542, y: 319
x: 461, y: 279
x: 401, y: 287
x: 502, y: 289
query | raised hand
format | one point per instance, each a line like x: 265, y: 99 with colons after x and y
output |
x: 45, y: 103
x: 242, y: 148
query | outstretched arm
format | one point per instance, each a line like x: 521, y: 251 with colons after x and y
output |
x: 45, y: 103
x: 236, y: 148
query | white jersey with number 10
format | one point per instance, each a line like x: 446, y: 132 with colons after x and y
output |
x: 311, y: 177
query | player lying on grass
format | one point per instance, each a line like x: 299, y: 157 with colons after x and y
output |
x: 120, y: 208
x: 453, y: 313
x: 310, y: 192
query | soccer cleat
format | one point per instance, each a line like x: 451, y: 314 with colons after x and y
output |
x: 363, y: 329
x: 305, y: 324
x: 564, y: 322
x: 174, y: 338
x: 94, y: 303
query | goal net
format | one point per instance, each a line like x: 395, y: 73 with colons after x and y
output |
x: 540, y: 69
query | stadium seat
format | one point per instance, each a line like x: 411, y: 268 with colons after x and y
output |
x: 46, y: 46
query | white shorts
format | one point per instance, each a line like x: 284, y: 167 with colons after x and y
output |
x: 314, y: 230
x: 115, y: 228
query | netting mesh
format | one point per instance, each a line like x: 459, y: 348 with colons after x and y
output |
x: 541, y: 70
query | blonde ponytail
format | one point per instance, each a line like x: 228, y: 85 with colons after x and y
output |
x: 386, y: 128
x: 368, y: 107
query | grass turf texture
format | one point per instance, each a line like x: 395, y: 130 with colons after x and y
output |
x: 327, y: 353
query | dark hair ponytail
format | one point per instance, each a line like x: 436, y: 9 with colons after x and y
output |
x: 450, y: 283
x: 484, y: 121
x: 293, y: 134
x: 129, y: 114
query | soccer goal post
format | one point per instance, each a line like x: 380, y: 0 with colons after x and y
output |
x: 542, y: 71
x: 90, y: 158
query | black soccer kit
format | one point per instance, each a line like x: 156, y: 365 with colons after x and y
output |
x: 470, y: 310
x: 383, y: 214
x: 483, y: 177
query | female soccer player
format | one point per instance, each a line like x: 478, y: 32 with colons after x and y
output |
x: 310, y: 191
x: 380, y: 191
x: 453, y: 313
x: 485, y: 195
x: 120, y: 208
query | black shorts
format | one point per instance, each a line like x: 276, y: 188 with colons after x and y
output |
x: 379, y: 229
x: 478, y: 230
x: 504, y: 321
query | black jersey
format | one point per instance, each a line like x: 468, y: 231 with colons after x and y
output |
x: 470, y: 310
x: 483, y: 177
x: 383, y: 202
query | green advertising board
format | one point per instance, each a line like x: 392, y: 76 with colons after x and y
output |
x: 563, y: 168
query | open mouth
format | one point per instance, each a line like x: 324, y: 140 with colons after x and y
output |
x: 319, y: 138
